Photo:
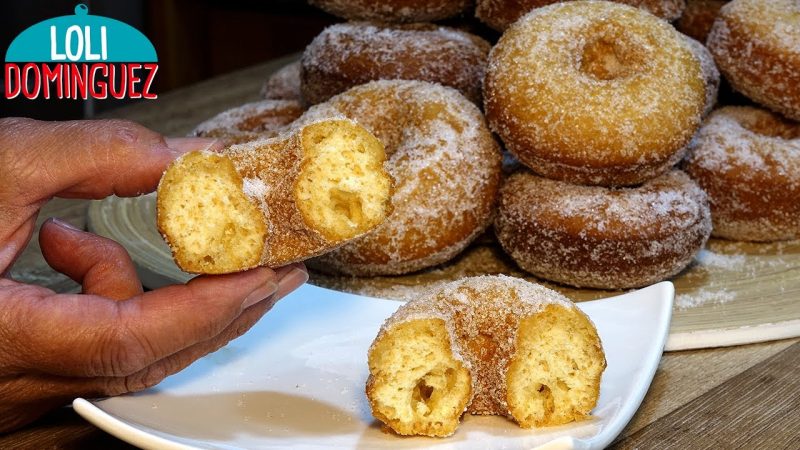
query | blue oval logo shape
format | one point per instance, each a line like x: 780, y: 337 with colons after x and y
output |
x: 81, y: 37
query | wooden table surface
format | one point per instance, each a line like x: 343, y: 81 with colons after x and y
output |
x: 736, y: 397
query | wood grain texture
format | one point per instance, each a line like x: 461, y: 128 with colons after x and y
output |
x: 63, y: 429
x: 756, y: 409
x: 684, y: 376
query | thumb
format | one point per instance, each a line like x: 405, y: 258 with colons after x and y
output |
x: 102, y: 266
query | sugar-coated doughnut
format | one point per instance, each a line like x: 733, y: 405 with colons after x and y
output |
x: 348, y: 54
x: 392, y: 11
x: 697, y: 18
x: 446, y: 167
x: 485, y: 345
x: 500, y: 14
x: 251, y: 121
x: 284, y: 84
x: 756, y: 44
x: 748, y: 161
x: 596, y: 237
x: 594, y: 92
x: 711, y: 74
x: 273, y: 201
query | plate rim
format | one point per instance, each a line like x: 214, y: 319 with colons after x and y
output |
x: 122, y: 430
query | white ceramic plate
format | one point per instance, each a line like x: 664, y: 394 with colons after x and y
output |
x: 297, y: 380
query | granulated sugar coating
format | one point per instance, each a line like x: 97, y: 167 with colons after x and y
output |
x: 589, y: 236
x: 594, y: 93
x: 756, y: 44
x: 500, y: 14
x: 394, y: 10
x: 490, y: 323
x: 748, y: 161
x: 251, y: 121
x: 698, y: 17
x: 710, y: 73
x: 446, y: 167
x: 349, y: 54
x: 284, y: 84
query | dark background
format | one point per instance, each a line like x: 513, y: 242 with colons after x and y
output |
x: 195, y: 40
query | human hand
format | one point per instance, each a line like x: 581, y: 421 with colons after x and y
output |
x: 112, y: 338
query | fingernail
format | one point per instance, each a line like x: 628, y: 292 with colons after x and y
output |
x: 180, y: 146
x: 260, y: 294
x: 293, y: 280
x: 64, y: 224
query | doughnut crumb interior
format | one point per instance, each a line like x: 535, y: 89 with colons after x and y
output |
x: 490, y: 345
x: 340, y: 186
x: 230, y: 211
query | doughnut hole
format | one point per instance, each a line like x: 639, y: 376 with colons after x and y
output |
x: 342, y: 190
x: 610, y: 54
x: 428, y: 388
x: 552, y: 376
x: 210, y: 224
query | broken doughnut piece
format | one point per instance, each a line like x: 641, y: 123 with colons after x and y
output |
x: 492, y: 345
x: 275, y: 201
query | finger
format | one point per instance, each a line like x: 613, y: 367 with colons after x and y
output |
x: 153, y: 374
x: 86, y: 159
x: 16, y: 229
x: 290, y: 278
x: 33, y: 395
x: 100, y: 265
x: 183, y: 145
x: 85, y: 335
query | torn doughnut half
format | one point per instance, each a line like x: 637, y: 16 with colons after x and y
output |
x: 271, y: 202
x: 491, y: 345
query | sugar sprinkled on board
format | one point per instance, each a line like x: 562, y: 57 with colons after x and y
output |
x: 703, y: 297
x: 708, y: 258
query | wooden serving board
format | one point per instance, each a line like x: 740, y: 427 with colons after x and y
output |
x: 734, y: 293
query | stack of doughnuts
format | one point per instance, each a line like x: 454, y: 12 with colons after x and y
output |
x: 747, y: 158
x: 596, y: 103
x: 599, y: 203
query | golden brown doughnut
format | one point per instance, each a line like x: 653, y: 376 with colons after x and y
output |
x: 284, y: 84
x: 446, y: 167
x: 756, y: 44
x: 697, y: 18
x: 710, y: 73
x: 392, y: 11
x: 622, y: 115
x: 500, y: 14
x: 348, y: 54
x: 273, y: 201
x: 748, y: 161
x: 251, y: 121
x: 595, y: 237
x: 485, y: 345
